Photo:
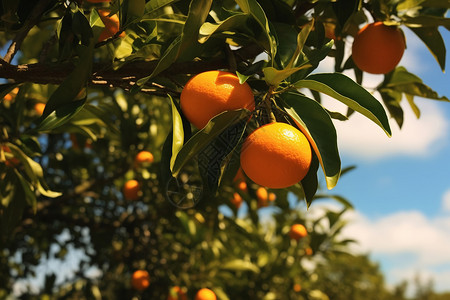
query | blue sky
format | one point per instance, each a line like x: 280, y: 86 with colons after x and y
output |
x: 401, y: 186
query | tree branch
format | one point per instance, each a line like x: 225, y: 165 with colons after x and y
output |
x: 103, y: 75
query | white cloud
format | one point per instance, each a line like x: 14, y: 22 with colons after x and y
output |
x: 405, y: 243
x: 361, y: 138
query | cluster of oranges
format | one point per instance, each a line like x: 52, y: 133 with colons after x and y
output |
x: 275, y: 155
x: 38, y: 107
x: 132, y: 188
x: 140, y: 281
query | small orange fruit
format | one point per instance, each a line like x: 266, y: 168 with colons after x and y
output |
x: 10, y: 96
x: 131, y: 189
x: 378, y: 48
x: 143, y: 157
x: 297, y: 232
x: 276, y: 155
x: 297, y: 287
x: 309, y: 251
x: 39, y: 108
x: 112, y: 25
x: 177, y: 293
x: 210, y: 93
x: 140, y: 280
x: 263, y: 196
x: 242, y: 186
x: 205, y: 294
x: 236, y: 200
x: 272, y: 197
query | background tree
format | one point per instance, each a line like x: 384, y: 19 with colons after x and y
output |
x: 110, y: 75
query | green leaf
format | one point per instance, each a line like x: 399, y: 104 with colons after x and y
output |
x: 391, y: 100
x: 403, y: 81
x: 61, y: 115
x: 177, y: 131
x: 198, y: 11
x: 239, y: 265
x: 316, y: 124
x: 253, y: 8
x: 301, y: 40
x: 432, y: 38
x: 350, y: 93
x: 203, y: 137
x: 63, y: 97
x: 232, y: 22
x: 274, y: 77
x: 310, y: 182
x: 413, y: 105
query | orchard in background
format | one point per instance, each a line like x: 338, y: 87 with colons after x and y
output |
x: 175, y: 145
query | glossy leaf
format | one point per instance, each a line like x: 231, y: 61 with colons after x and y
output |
x: 177, y: 131
x: 432, y: 38
x: 203, y: 137
x: 310, y: 183
x: 274, y: 77
x: 403, y: 81
x: 316, y: 124
x: 253, y: 8
x: 232, y: 22
x: 350, y: 93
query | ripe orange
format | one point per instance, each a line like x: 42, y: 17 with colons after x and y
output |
x: 378, y: 48
x: 131, y: 189
x: 39, y: 108
x: 205, y: 294
x: 309, y: 251
x: 242, y: 186
x: 272, y: 197
x: 297, y: 287
x: 112, y: 25
x: 177, y: 293
x: 209, y: 93
x: 140, y: 280
x: 236, y: 200
x: 10, y: 96
x: 276, y: 155
x: 297, y: 232
x: 143, y: 157
x: 262, y: 195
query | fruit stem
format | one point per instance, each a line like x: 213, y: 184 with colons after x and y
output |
x: 268, y: 104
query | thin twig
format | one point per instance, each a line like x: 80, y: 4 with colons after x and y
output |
x: 33, y: 19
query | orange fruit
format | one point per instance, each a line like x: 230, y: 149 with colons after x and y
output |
x: 10, y: 96
x: 262, y: 196
x: 205, y: 294
x: 378, y: 48
x: 297, y: 232
x: 131, y: 189
x: 272, y: 197
x: 210, y: 93
x: 140, y: 280
x: 297, y: 287
x: 242, y: 186
x: 112, y: 25
x: 276, y: 155
x: 144, y: 157
x: 308, y: 251
x: 236, y: 200
x: 177, y: 293
x: 39, y: 108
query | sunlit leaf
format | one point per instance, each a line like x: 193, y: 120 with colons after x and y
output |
x: 316, y: 124
x: 350, y: 93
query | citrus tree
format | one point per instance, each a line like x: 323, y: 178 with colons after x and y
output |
x: 176, y: 144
